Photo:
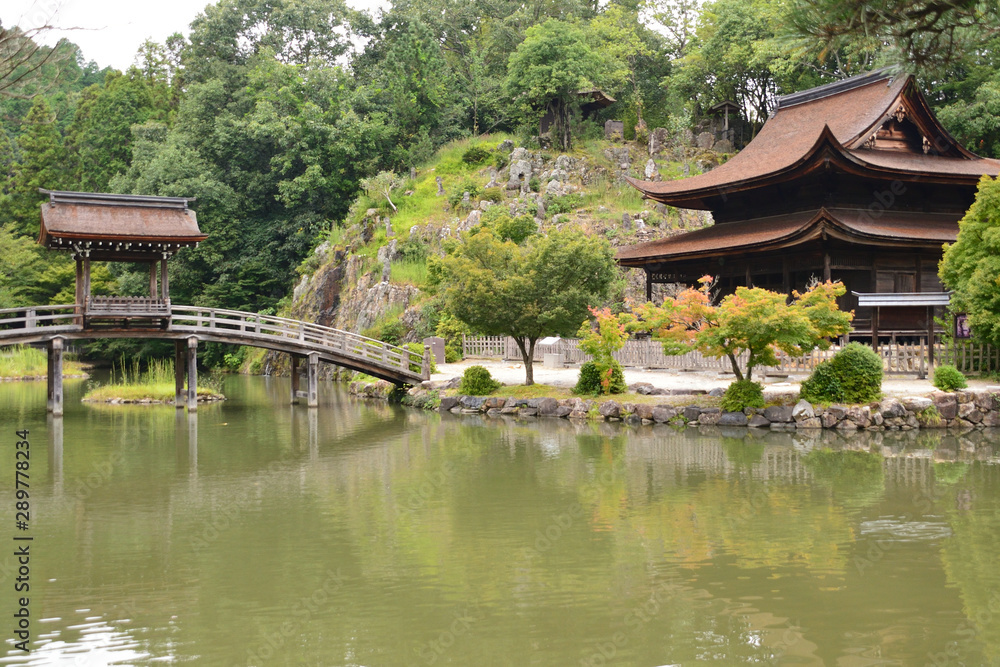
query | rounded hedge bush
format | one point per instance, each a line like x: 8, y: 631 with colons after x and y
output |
x: 589, y: 381
x: 477, y: 381
x: 853, y: 375
x: 949, y: 378
x: 591, y: 375
x: 822, y: 386
x: 743, y: 394
x: 859, y: 370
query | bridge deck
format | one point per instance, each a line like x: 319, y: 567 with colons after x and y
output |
x: 343, y: 348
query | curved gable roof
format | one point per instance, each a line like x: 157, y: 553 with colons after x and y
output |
x: 837, y: 118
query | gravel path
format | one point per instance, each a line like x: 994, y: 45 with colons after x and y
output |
x: 510, y: 372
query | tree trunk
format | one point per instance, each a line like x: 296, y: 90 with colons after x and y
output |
x: 527, y: 355
x: 736, y: 366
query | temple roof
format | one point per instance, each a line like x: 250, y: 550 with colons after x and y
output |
x: 897, y: 229
x: 131, y: 224
x: 874, y: 125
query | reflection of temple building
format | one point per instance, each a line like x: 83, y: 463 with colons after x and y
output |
x: 853, y: 181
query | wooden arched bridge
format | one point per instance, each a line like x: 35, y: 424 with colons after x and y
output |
x: 148, y: 230
x: 189, y: 325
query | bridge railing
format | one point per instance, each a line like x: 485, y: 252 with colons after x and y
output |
x: 269, y: 326
x: 31, y: 318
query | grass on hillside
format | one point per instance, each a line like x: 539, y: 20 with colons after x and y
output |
x: 410, y: 273
x: 23, y: 361
x: 155, y: 383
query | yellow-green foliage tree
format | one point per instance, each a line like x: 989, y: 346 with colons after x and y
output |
x: 752, y: 320
x: 601, y: 340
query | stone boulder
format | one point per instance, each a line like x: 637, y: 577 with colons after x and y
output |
x: 609, y: 410
x: 662, y: 415
x: 778, y: 413
x: 892, y: 407
x: 732, y: 419
x: 803, y: 410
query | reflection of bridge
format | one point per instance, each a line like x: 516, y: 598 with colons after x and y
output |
x: 187, y: 325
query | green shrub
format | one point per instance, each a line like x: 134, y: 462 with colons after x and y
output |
x: 563, y: 204
x: 617, y: 384
x: 494, y: 195
x: 475, y: 155
x: 854, y: 375
x: 452, y: 354
x: 458, y: 192
x: 589, y: 381
x: 822, y: 386
x: 516, y: 229
x: 419, y: 348
x: 534, y: 184
x: 592, y: 374
x: 743, y: 394
x: 477, y: 381
x: 500, y: 160
x: 949, y: 378
x: 859, y: 370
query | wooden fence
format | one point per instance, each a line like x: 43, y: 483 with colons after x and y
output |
x: 897, y: 358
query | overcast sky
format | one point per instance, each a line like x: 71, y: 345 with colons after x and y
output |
x: 110, y: 31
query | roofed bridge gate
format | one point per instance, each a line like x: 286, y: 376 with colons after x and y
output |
x: 150, y: 230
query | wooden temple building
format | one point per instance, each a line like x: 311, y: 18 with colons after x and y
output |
x: 853, y: 181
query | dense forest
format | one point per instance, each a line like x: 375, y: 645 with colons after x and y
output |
x: 273, y: 112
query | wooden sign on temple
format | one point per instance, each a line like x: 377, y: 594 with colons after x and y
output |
x: 853, y: 181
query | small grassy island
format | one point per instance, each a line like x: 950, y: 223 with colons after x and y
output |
x: 155, y: 384
x: 21, y: 362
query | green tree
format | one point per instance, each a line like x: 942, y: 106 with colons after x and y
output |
x: 42, y: 164
x: 18, y: 263
x: 617, y: 31
x: 548, y: 69
x: 927, y: 34
x: 601, y: 340
x: 753, y: 321
x: 541, y: 288
x: 970, y: 266
x: 100, y: 137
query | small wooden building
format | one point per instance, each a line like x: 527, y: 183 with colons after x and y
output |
x: 853, y: 181
x: 120, y: 228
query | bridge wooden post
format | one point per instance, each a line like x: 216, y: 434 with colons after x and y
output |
x: 180, y: 358
x: 425, y: 367
x: 192, y: 373
x: 295, y: 379
x: 313, y: 379
x: 78, y: 320
x: 55, y: 377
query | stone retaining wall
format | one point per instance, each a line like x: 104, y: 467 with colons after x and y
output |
x: 961, y: 409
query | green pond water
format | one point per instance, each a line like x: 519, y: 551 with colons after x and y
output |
x: 260, y: 533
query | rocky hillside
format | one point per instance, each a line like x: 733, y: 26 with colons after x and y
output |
x: 367, y: 275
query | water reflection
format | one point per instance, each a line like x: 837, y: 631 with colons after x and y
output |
x: 383, y: 535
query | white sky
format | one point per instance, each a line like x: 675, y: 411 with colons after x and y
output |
x: 110, y: 31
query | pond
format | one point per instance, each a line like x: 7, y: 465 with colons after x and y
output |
x: 260, y: 533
